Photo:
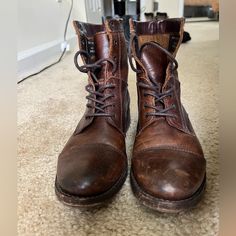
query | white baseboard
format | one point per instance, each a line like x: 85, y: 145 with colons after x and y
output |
x: 36, y: 58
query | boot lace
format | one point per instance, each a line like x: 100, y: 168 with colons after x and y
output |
x: 96, y: 94
x: 159, y: 99
x: 155, y: 88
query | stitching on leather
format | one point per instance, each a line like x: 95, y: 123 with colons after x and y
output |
x: 120, y: 83
x: 99, y: 144
x: 168, y: 148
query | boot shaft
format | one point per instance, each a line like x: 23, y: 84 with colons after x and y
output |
x: 105, y: 44
x: 154, y: 46
x: 104, y: 41
x: 167, y: 33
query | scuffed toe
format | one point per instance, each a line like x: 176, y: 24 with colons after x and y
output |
x: 168, y: 174
x: 90, y: 170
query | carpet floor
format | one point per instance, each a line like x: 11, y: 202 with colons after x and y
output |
x: 49, y: 108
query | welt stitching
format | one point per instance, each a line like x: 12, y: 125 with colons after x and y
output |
x: 169, y: 148
x: 114, y: 148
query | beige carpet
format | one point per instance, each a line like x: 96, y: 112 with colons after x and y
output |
x: 49, y: 108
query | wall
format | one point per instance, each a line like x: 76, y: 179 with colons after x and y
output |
x: 40, y: 31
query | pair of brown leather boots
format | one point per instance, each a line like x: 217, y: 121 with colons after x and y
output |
x: 168, y: 166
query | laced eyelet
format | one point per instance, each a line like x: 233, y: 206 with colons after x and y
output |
x: 111, y: 24
x: 96, y: 90
x: 115, y: 42
x: 80, y: 25
x: 82, y: 41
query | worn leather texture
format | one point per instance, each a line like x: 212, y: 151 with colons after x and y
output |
x: 94, y: 158
x: 168, y: 161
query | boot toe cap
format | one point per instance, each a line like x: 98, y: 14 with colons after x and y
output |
x: 90, y: 170
x: 168, y: 174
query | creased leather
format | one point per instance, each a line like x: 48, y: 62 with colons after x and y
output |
x: 168, y: 161
x: 94, y: 158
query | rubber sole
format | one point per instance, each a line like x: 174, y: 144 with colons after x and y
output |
x: 76, y: 201
x: 166, y: 206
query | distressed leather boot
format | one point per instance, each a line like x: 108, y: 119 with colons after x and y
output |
x: 168, y: 165
x: 92, y: 167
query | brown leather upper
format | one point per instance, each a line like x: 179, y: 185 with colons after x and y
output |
x: 94, y: 157
x: 168, y: 160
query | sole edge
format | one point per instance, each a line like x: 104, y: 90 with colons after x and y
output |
x: 86, y: 202
x: 166, y: 206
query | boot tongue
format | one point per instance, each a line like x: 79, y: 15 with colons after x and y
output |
x: 101, y: 45
x: 101, y: 50
x: 155, y: 61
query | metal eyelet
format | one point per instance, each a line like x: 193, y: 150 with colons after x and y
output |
x: 80, y: 26
x: 83, y: 42
x: 111, y: 24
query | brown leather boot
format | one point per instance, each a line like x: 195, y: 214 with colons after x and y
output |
x: 168, y: 165
x: 92, y: 167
